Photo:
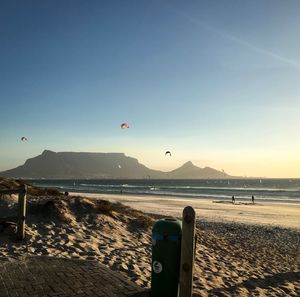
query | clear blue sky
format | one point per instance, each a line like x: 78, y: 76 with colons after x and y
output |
x: 215, y: 82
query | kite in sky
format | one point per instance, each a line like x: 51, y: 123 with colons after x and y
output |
x: 124, y: 126
x: 168, y: 153
x: 23, y: 138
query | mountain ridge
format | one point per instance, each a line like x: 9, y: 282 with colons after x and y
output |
x: 89, y: 165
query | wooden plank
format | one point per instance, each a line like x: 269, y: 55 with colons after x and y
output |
x: 9, y: 192
x: 22, y: 212
x: 187, y: 252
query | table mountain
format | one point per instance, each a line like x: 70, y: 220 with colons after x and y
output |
x: 77, y: 165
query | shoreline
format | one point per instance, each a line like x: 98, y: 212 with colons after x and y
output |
x: 273, y: 214
x: 239, y: 199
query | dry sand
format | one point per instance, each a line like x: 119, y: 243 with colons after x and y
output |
x: 240, y: 251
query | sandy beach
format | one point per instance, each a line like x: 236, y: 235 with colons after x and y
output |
x: 242, y: 250
x: 272, y: 214
x: 116, y: 115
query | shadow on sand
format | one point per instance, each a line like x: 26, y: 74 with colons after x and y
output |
x: 266, y: 282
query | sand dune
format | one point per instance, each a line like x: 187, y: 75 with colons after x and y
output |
x: 232, y: 258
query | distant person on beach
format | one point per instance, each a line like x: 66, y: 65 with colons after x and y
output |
x: 121, y: 191
x: 233, y: 199
x: 252, y: 199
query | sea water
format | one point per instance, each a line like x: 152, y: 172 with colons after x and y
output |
x: 272, y: 190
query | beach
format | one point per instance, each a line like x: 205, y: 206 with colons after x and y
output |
x: 120, y: 116
x: 242, y: 249
x: 260, y: 213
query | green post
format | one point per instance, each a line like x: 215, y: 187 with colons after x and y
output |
x: 166, y: 247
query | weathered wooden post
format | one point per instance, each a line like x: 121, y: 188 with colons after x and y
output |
x: 22, y: 212
x: 187, y: 252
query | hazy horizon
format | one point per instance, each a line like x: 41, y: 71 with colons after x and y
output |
x: 215, y: 83
x: 163, y: 170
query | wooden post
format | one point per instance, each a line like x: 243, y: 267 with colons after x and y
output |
x: 187, y: 252
x: 22, y: 212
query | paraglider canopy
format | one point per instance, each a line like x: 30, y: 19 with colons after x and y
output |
x: 23, y: 138
x: 168, y: 153
x: 124, y: 126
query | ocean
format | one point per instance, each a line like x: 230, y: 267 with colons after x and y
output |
x: 267, y: 190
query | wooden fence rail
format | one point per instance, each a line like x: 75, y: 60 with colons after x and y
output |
x: 22, y: 192
x: 9, y: 192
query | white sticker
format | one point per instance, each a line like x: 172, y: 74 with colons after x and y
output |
x: 157, y: 267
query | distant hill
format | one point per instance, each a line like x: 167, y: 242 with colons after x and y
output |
x: 194, y: 172
x: 77, y: 165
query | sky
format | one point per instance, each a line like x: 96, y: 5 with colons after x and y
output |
x: 214, y: 82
